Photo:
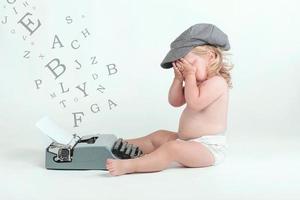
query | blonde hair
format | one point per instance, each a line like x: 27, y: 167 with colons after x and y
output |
x: 220, y: 66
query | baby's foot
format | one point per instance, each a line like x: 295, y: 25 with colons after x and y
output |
x: 118, y: 167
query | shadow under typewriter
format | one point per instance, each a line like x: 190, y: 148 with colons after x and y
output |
x: 89, y: 152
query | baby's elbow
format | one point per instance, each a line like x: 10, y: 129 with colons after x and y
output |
x: 175, y: 104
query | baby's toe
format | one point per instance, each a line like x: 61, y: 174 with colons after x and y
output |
x: 108, y: 161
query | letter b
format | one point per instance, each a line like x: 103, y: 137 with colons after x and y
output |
x: 54, y: 67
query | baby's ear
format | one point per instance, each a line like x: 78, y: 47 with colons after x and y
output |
x: 212, y: 55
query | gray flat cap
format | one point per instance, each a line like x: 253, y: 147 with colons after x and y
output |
x: 198, y: 34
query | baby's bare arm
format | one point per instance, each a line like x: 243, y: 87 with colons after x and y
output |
x: 199, y: 97
x: 176, y: 93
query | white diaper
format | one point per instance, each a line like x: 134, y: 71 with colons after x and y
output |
x: 216, y: 144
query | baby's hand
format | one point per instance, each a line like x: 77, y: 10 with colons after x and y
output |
x: 178, y: 72
x: 188, y: 68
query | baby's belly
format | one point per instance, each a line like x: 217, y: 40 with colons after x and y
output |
x: 194, y: 124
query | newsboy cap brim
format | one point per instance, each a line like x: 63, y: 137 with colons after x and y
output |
x: 174, y: 54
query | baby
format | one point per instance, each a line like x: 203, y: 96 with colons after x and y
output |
x: 198, y: 59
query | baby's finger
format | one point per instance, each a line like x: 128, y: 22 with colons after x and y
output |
x: 180, y: 67
x: 178, y: 64
x: 175, y: 67
x: 173, y: 63
x: 183, y: 64
x: 177, y: 70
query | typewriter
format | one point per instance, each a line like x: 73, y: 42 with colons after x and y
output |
x: 89, y: 152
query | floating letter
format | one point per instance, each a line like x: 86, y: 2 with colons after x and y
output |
x: 29, y: 23
x: 56, y: 40
x: 77, y: 119
x: 56, y: 67
x: 37, y: 83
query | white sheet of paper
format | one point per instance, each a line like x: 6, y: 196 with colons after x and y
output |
x: 49, y: 128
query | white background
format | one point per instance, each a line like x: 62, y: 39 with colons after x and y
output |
x: 263, y: 118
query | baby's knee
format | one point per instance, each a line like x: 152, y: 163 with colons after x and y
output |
x: 172, y: 146
x: 161, y: 131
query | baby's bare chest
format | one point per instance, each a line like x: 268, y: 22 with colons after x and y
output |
x: 212, y: 110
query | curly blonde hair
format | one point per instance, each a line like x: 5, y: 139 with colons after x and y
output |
x: 220, y: 66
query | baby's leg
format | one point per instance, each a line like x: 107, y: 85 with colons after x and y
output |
x: 152, y: 141
x: 187, y: 153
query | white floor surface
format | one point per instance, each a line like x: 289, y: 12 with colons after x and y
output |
x: 255, y: 168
